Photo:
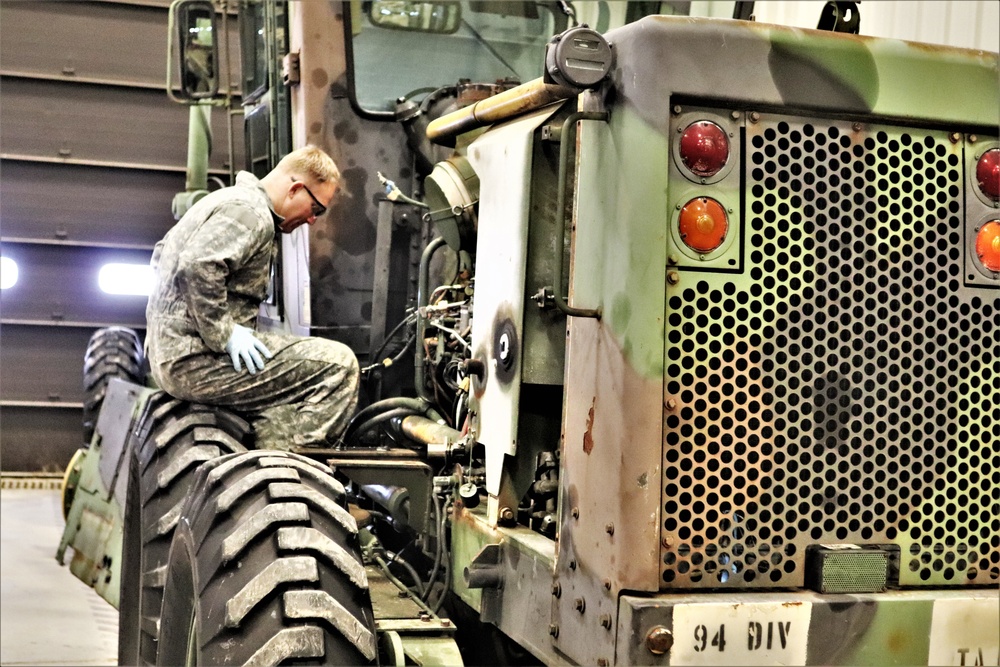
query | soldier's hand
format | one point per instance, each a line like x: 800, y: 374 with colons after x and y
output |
x: 243, y: 345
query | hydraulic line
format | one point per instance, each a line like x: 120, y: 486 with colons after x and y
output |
x: 415, y: 405
x: 375, y: 421
x: 418, y: 353
x: 438, y: 551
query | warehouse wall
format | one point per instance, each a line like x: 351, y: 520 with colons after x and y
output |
x: 91, y: 153
x: 970, y: 24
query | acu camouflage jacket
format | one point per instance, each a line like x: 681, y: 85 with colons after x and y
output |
x: 212, y: 271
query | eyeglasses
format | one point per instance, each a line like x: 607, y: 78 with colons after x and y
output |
x: 317, y: 208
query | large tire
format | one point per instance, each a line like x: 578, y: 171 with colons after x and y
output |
x: 173, y: 439
x: 114, y: 352
x: 265, y: 568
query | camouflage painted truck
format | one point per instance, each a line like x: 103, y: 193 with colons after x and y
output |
x: 685, y: 350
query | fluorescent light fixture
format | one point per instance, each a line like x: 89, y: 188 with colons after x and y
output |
x: 126, y: 279
x: 8, y: 272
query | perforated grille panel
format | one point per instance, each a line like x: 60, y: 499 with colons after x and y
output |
x: 844, y: 387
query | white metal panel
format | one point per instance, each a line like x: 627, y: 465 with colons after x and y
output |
x: 502, y: 159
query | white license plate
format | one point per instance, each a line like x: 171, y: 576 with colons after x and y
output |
x: 965, y: 632
x: 760, y: 633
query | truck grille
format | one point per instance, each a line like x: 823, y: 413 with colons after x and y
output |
x: 844, y: 387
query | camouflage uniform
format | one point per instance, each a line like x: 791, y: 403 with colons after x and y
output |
x: 212, y: 271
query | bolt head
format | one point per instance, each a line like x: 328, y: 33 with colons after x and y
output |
x: 659, y: 640
x: 580, y: 605
x: 556, y: 589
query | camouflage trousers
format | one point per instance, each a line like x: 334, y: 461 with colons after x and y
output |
x: 304, y: 397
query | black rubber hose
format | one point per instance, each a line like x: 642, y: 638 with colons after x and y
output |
x: 416, y: 406
x: 375, y: 421
x: 423, y: 280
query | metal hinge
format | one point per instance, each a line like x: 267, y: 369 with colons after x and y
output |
x: 290, y: 73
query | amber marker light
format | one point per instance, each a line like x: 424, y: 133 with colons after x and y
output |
x: 988, y: 245
x: 704, y: 148
x: 988, y: 174
x: 703, y: 224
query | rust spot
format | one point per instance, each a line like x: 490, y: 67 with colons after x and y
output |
x: 791, y: 604
x: 896, y: 642
x: 588, y: 436
x: 320, y: 79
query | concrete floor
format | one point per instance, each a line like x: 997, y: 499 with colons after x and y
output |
x: 47, y: 616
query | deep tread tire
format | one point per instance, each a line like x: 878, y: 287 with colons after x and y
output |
x: 265, y: 568
x: 113, y: 352
x: 174, y: 438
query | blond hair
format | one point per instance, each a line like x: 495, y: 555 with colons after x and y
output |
x: 311, y: 162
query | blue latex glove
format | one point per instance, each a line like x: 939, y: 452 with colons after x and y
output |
x: 244, y: 345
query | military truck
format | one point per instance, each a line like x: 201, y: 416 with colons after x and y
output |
x: 680, y: 340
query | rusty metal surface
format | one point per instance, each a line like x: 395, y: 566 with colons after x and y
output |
x: 522, y: 607
x: 428, y: 431
x: 527, y: 97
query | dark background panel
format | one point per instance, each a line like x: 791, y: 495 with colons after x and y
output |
x: 60, y: 283
x: 45, y: 362
x: 55, y: 119
x: 121, y: 42
x: 91, y: 40
x: 82, y: 204
x: 92, y: 151
x: 33, y: 439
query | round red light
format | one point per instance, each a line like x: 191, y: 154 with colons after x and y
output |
x: 704, y: 148
x: 703, y: 224
x: 988, y: 245
x: 988, y: 173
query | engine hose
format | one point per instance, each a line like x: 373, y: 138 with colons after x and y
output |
x: 446, y: 553
x: 417, y: 581
x: 423, y: 280
x: 416, y: 406
x: 375, y: 421
x: 400, y: 585
x: 428, y: 431
x: 437, y: 552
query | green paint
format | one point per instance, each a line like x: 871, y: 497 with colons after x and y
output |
x: 621, y: 231
x: 897, y: 635
x: 846, y: 66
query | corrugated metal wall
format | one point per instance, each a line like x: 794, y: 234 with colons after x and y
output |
x: 91, y: 153
x: 970, y: 24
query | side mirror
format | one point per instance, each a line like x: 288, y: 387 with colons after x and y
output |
x: 439, y: 17
x: 198, y: 50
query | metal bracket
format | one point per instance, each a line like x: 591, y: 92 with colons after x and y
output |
x: 291, y: 73
x: 486, y: 572
x: 840, y: 17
